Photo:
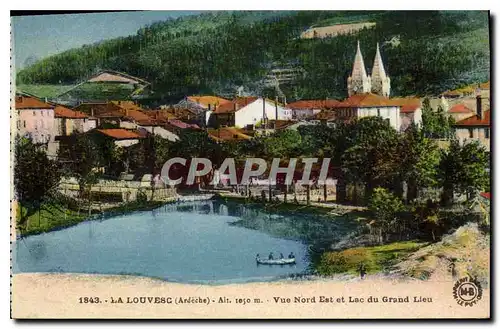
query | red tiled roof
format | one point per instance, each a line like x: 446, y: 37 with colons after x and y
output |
x: 160, y: 115
x: 182, y: 125
x: 486, y: 195
x: 227, y: 134
x: 208, y: 100
x: 408, y: 104
x: 136, y: 115
x: 235, y: 104
x: 27, y: 102
x: 459, y: 108
x: 314, y: 104
x: 119, y: 133
x: 367, y: 100
x: 64, y: 112
x: 409, y: 108
x: 475, y: 120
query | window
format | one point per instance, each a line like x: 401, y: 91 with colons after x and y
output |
x: 471, y: 135
x: 378, y: 112
x: 24, y: 123
x: 41, y: 112
x: 487, y: 133
x: 34, y: 113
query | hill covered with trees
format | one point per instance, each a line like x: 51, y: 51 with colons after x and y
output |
x: 425, y: 52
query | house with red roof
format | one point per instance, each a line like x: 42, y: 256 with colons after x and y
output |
x: 410, y: 111
x: 69, y: 121
x: 460, y: 111
x: 249, y: 111
x: 226, y: 134
x: 305, y: 109
x: 35, y: 118
x: 476, y: 127
x: 121, y: 137
x: 368, y: 105
x: 177, y: 126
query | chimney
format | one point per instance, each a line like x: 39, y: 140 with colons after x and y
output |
x: 479, y: 106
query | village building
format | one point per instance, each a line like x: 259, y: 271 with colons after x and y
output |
x: 227, y: 134
x: 410, y: 111
x: 249, y: 111
x: 121, y: 137
x: 367, y: 105
x: 460, y: 111
x: 201, y: 106
x: 476, y: 127
x: 176, y: 126
x: 128, y: 115
x: 36, y: 120
x: 306, y: 109
x: 202, y: 103
x: 69, y: 121
x: 104, y: 86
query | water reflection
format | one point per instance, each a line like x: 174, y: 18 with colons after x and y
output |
x: 205, y: 241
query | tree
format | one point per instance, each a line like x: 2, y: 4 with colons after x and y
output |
x: 80, y: 157
x: 463, y: 170
x: 372, y: 159
x: 35, y: 176
x: 385, y: 207
x: 418, y: 161
x: 147, y: 156
x: 435, y: 124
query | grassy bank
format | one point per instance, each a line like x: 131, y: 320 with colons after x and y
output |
x: 55, y: 216
x: 289, y: 207
x: 375, y: 258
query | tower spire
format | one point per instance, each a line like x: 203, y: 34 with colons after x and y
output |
x: 381, y: 84
x: 359, y: 81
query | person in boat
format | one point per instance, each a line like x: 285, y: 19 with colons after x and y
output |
x: 281, y: 256
x: 291, y: 255
x: 271, y: 256
x: 258, y: 256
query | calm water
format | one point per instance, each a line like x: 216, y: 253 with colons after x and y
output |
x: 209, y: 242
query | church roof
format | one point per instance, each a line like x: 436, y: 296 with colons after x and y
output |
x: 368, y: 100
x: 358, y: 69
x: 378, y: 71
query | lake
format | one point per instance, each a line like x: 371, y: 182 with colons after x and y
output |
x: 197, y: 242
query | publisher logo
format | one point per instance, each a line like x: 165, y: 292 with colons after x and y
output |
x: 467, y: 291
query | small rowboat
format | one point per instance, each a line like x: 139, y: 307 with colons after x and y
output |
x: 283, y: 261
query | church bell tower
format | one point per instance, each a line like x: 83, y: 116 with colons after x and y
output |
x: 359, y: 82
x: 381, y: 83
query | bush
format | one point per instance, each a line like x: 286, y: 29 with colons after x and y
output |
x: 343, y: 261
x: 142, y: 197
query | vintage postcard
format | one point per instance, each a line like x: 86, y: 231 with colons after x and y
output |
x: 251, y: 165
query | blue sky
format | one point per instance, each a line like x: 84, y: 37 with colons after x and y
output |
x: 45, y: 35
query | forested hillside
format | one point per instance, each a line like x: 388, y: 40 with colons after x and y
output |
x: 424, y: 52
